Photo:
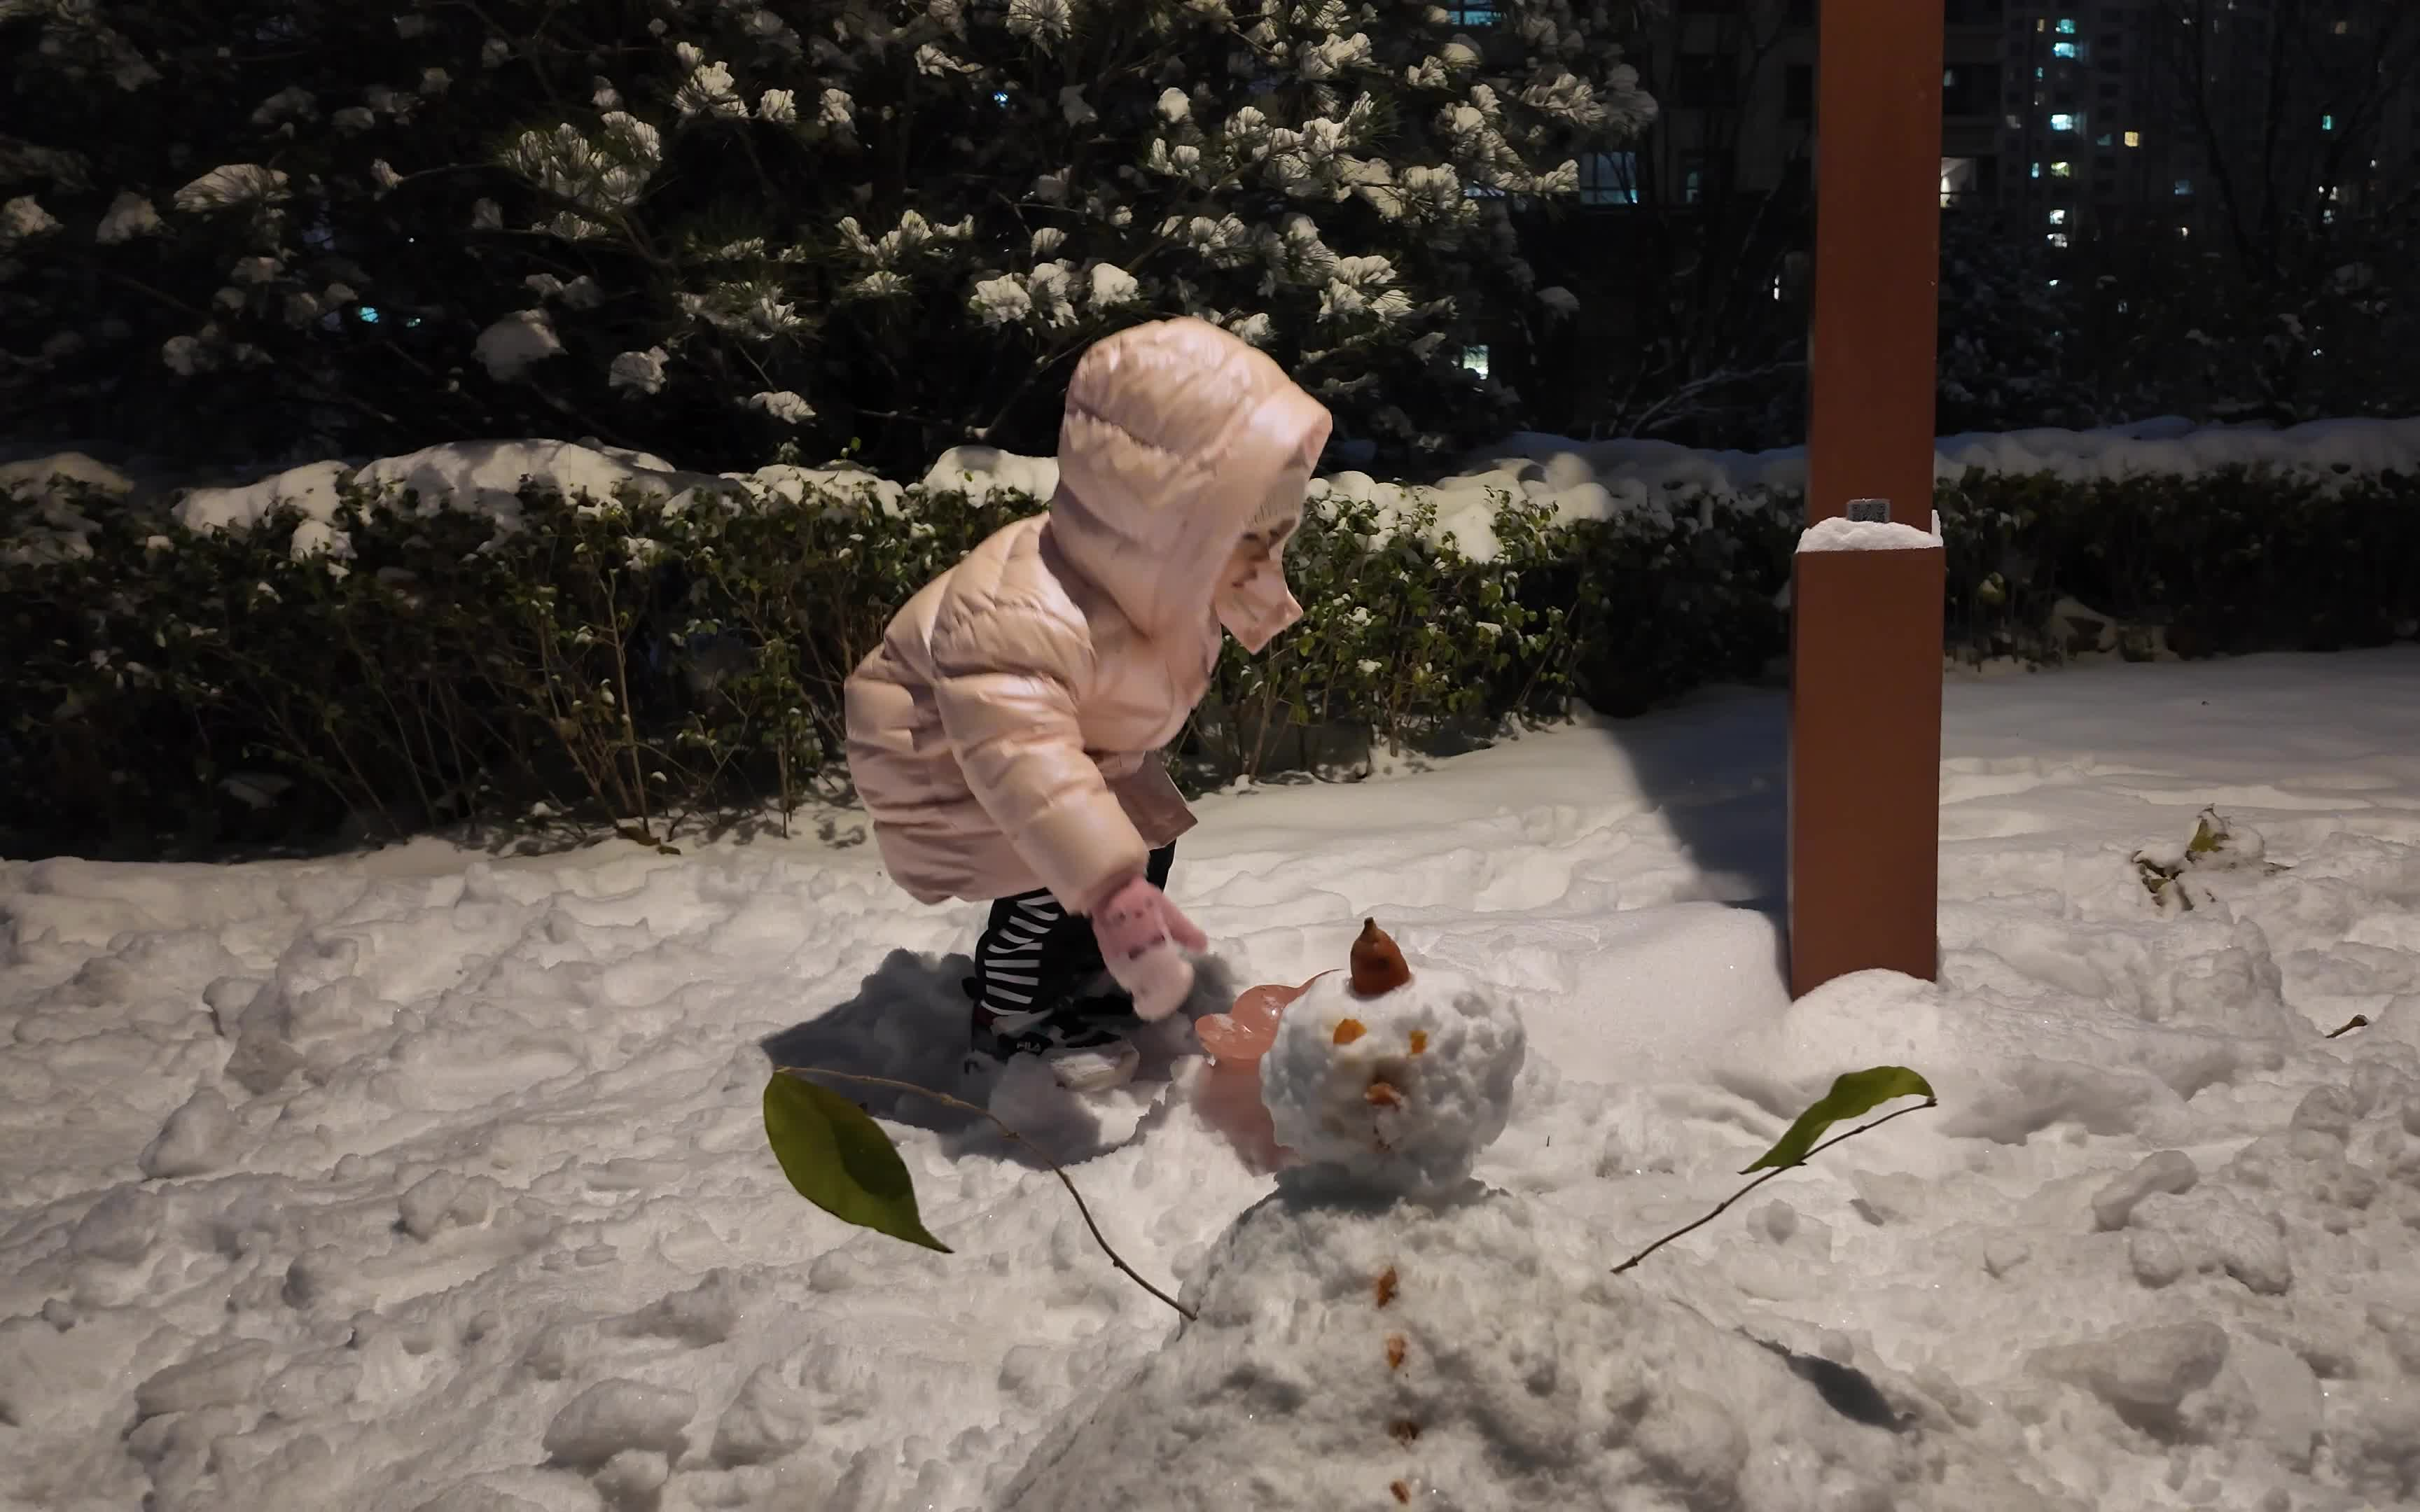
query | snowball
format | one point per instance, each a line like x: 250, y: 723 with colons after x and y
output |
x: 614, y: 1415
x: 1398, y: 1093
x: 511, y: 344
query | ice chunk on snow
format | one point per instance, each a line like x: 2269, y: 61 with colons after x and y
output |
x: 2221, y: 1231
x: 2145, y: 1373
x: 705, y: 1314
x: 1475, y: 1354
x: 631, y: 1480
x: 195, y: 1139
x: 619, y: 1414
x: 120, y: 1227
x: 221, y: 1378
x: 771, y: 1416
x: 2170, y: 1171
x: 442, y: 1200
x: 1399, y: 1091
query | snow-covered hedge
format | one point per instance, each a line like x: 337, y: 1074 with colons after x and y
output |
x: 525, y: 632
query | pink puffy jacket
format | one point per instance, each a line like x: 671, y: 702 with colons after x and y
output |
x: 1006, y: 734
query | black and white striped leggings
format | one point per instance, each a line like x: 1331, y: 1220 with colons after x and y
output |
x: 1033, y: 954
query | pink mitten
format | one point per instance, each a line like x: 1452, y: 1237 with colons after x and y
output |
x: 1139, y: 931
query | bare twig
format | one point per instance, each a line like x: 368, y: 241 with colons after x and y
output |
x: 964, y: 1107
x: 1768, y: 1176
x: 2358, y: 1020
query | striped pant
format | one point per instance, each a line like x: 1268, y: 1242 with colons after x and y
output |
x: 1035, y: 956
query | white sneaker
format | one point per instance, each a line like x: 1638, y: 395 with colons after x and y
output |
x: 1084, y: 1054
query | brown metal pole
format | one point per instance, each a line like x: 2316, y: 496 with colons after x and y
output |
x: 1864, y: 758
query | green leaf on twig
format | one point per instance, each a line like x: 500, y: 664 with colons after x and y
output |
x: 841, y: 1161
x: 1855, y: 1092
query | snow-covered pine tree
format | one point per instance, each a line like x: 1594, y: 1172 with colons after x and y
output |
x: 707, y: 226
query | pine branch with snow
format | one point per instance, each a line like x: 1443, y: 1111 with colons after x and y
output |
x: 905, y: 219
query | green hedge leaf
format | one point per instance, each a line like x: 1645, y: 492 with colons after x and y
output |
x: 841, y: 1161
x: 1855, y: 1094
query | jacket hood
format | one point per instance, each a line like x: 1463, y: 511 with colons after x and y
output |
x: 1175, y: 434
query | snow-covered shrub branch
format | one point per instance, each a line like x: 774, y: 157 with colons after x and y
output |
x: 740, y: 225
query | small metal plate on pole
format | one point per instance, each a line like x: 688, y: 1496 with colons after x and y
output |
x: 1864, y: 687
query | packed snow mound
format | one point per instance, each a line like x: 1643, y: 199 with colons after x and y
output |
x: 57, y: 529
x: 482, y: 478
x: 1393, y: 1093
x: 1841, y: 534
x: 1475, y: 1354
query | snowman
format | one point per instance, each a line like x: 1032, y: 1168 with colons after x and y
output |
x: 1383, y: 1329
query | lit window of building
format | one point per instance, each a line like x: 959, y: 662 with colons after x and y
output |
x: 1609, y: 178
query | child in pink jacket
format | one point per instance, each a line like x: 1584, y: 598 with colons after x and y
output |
x: 1006, y: 736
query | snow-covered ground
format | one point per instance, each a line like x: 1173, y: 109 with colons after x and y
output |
x: 417, y: 1180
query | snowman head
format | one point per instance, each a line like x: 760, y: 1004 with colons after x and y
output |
x: 1388, y: 1080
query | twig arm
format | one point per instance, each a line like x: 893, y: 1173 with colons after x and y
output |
x: 964, y: 1106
